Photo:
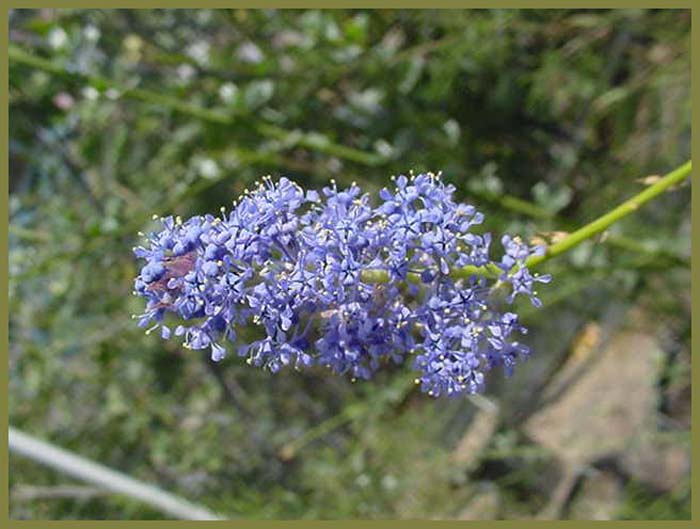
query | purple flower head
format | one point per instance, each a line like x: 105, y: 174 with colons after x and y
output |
x: 332, y: 280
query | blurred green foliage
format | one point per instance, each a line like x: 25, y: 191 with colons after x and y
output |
x: 544, y: 119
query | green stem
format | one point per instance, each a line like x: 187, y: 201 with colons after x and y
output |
x: 572, y: 240
x: 604, y: 222
x: 534, y: 211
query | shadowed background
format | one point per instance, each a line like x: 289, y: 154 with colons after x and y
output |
x: 542, y: 119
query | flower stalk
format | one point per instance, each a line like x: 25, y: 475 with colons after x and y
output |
x: 602, y: 223
x: 334, y: 281
x: 584, y: 233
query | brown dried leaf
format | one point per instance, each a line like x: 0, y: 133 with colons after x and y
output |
x: 606, y: 407
x: 586, y: 342
x: 548, y: 237
x: 583, y: 348
x: 649, y: 180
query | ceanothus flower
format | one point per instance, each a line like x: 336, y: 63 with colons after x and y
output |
x: 332, y: 280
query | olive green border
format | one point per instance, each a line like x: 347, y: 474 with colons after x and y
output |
x: 413, y: 4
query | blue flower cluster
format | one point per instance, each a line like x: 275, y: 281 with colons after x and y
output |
x: 332, y: 280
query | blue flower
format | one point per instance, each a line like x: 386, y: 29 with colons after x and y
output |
x: 516, y: 272
x: 294, y: 263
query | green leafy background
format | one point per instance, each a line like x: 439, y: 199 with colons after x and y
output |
x: 543, y: 119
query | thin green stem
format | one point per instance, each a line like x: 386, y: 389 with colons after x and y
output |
x: 604, y: 222
x: 588, y: 231
x: 536, y: 212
